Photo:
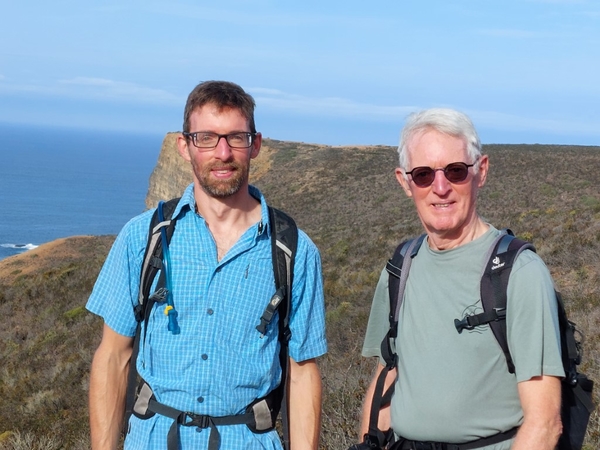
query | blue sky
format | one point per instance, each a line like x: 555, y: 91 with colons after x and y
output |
x: 330, y: 72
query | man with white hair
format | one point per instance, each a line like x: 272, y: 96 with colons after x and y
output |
x: 453, y: 390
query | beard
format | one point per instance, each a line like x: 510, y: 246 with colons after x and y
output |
x: 221, y: 188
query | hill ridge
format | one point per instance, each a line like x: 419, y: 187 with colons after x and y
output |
x: 348, y: 202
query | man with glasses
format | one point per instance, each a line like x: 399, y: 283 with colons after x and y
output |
x: 453, y: 390
x: 216, y: 363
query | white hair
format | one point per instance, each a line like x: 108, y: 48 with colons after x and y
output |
x: 444, y: 120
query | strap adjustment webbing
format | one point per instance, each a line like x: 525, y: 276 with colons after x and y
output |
x: 470, y: 322
x: 189, y: 419
x: 405, y: 444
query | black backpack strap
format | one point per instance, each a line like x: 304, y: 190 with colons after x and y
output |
x: 398, y: 268
x: 151, y: 264
x: 284, y: 243
x: 493, y: 290
x: 494, y: 286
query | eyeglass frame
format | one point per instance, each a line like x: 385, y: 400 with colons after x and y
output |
x: 443, y: 169
x: 192, y: 137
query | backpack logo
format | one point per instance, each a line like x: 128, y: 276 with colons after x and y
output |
x: 497, y: 264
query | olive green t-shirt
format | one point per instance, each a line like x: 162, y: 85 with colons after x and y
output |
x: 455, y: 387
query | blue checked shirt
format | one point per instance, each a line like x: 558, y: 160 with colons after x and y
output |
x: 220, y: 363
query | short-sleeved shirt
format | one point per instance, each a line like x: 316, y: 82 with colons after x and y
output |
x: 455, y: 387
x: 220, y: 362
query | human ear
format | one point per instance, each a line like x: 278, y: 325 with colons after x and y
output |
x: 256, y: 143
x: 183, y: 148
x: 401, y: 178
x: 484, y: 165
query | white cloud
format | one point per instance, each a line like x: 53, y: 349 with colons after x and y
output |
x: 328, y: 106
x: 84, y: 88
x: 345, y: 108
x: 513, y: 122
x: 101, y: 88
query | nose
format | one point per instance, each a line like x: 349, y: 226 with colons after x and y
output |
x: 222, y: 150
x: 441, y: 185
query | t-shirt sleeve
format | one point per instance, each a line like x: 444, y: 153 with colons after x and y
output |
x: 378, y: 324
x: 532, y: 320
x: 307, y: 317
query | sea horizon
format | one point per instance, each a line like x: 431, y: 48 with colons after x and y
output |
x: 58, y: 182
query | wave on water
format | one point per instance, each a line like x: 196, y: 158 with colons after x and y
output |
x: 19, y: 246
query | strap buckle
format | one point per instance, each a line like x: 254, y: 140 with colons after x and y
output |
x: 472, y: 321
x: 189, y: 419
x: 138, y: 312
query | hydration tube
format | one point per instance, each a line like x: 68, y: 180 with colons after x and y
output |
x: 170, y: 311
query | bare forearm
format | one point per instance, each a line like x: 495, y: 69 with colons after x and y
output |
x: 538, y: 436
x: 305, y: 405
x: 541, y: 428
x: 108, y: 384
x: 384, y: 422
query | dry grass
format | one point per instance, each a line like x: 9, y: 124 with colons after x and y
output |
x: 348, y: 201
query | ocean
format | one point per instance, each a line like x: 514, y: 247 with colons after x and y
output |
x: 59, y: 182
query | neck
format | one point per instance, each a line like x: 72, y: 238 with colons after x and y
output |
x: 228, y: 218
x: 445, y: 241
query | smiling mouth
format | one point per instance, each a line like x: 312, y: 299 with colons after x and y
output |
x: 223, y: 170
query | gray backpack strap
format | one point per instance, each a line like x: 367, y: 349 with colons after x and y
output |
x: 398, y: 268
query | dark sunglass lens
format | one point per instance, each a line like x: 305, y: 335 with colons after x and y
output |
x: 423, y: 176
x: 456, y: 172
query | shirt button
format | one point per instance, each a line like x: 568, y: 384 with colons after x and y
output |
x: 204, y: 356
x: 200, y: 399
x: 209, y: 311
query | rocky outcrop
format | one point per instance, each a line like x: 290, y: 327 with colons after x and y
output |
x: 172, y: 173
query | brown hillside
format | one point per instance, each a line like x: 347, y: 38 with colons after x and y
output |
x: 348, y: 201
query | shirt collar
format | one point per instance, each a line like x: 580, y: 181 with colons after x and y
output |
x: 188, y: 200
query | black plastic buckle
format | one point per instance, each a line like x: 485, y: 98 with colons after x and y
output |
x: 463, y: 324
x: 159, y: 295
x: 189, y: 419
x: 287, y: 334
x: 137, y: 312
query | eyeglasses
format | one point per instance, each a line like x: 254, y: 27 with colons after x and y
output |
x: 454, y: 173
x: 208, y: 140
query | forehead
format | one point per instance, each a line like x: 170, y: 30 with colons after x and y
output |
x: 211, y: 117
x: 433, y: 148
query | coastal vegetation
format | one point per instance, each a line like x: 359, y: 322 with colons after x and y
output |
x: 347, y: 200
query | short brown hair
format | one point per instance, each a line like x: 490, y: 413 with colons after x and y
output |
x: 224, y: 95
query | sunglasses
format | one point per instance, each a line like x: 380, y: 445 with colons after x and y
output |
x: 454, y: 173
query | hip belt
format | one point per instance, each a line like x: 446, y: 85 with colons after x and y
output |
x: 258, y: 418
x: 407, y: 444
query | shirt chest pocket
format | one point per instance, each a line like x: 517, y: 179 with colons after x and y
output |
x: 243, y: 306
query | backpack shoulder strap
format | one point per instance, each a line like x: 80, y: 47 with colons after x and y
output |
x: 151, y: 265
x: 153, y: 255
x: 284, y: 243
x: 398, y: 268
x: 493, y: 289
